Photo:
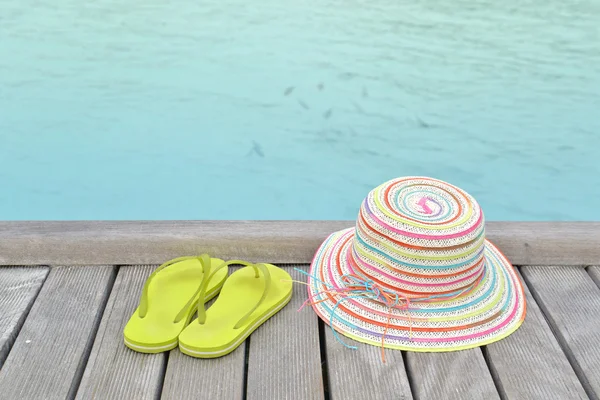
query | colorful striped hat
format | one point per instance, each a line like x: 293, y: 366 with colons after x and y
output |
x: 416, y: 272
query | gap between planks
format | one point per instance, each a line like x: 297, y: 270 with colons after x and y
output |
x: 54, y: 341
x: 19, y: 288
x: 567, y: 297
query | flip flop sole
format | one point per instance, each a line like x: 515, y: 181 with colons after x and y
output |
x: 171, y: 291
x: 242, y: 293
x: 234, y: 345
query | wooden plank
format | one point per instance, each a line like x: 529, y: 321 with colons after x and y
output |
x: 547, y: 243
x: 452, y: 375
x: 51, y: 350
x: 18, y: 288
x: 153, y: 242
x: 284, y: 356
x: 570, y: 300
x: 361, y: 374
x: 530, y: 364
x: 594, y: 272
x: 217, y: 378
x: 113, y: 371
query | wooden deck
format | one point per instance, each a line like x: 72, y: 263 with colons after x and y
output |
x: 67, y: 289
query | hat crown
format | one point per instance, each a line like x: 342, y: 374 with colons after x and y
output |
x: 420, y: 236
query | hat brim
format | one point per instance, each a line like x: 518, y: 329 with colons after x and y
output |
x: 492, y: 310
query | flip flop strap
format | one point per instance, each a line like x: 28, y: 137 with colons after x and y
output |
x: 201, y: 291
x: 257, y: 268
x: 267, y: 275
x: 143, y: 307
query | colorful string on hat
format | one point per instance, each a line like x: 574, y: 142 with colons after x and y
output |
x: 361, y: 287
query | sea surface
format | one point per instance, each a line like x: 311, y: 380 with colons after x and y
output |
x: 275, y: 109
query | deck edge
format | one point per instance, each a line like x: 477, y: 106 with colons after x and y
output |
x: 153, y: 242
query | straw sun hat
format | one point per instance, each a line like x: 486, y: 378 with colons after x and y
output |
x: 416, y: 272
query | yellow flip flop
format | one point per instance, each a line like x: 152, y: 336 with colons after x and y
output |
x: 169, y: 300
x: 249, y: 297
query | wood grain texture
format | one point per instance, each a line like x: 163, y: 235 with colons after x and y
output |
x: 218, y: 378
x: 113, y: 371
x: 594, y: 272
x: 570, y: 300
x: 51, y: 349
x: 530, y: 364
x: 153, y: 242
x: 361, y: 374
x: 451, y: 376
x: 284, y: 357
x: 18, y: 289
x: 547, y: 243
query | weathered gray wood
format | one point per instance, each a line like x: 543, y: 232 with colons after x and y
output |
x: 18, y: 289
x: 361, y: 374
x: 153, y: 242
x: 594, y: 272
x: 452, y: 375
x: 51, y: 349
x: 217, y: 378
x: 284, y: 356
x: 113, y: 371
x: 570, y: 301
x: 547, y: 243
x: 530, y: 364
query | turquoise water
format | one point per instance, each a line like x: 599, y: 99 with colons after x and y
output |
x: 295, y: 110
